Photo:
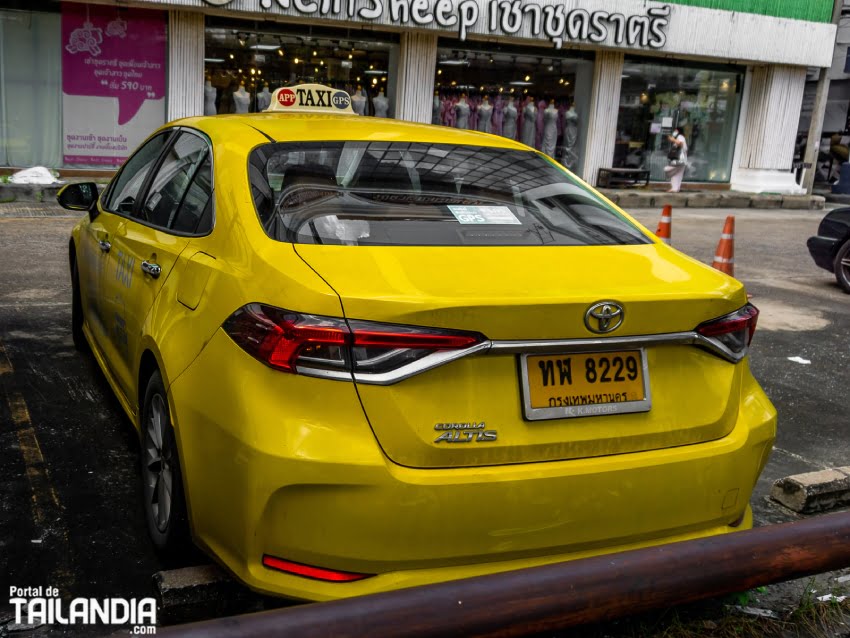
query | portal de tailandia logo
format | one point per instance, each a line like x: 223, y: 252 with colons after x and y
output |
x: 35, y: 606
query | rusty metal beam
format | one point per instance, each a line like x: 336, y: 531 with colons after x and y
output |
x: 551, y: 597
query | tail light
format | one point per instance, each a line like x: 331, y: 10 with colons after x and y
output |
x: 332, y: 347
x: 732, y: 332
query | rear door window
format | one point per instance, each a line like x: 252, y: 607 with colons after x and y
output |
x: 393, y: 193
x: 125, y: 189
x: 173, y: 179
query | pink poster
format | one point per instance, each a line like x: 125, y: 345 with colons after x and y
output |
x: 113, y: 81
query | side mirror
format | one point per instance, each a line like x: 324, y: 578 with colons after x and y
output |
x: 79, y: 197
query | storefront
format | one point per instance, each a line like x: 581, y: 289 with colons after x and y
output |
x: 592, y: 83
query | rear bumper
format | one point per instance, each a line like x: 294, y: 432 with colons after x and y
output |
x: 823, y: 250
x: 268, y: 474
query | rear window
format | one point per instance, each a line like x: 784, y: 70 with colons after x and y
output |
x: 417, y: 194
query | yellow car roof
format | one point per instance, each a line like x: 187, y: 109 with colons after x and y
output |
x: 307, y: 127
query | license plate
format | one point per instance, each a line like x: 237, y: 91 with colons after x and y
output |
x: 577, y: 384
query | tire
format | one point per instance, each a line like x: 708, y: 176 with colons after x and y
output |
x: 841, y: 266
x: 77, y: 317
x: 162, y: 480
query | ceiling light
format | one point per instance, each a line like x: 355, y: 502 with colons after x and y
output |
x: 372, y: 71
x: 520, y: 83
x: 454, y: 62
x: 231, y: 56
x: 264, y: 47
x: 295, y: 60
x: 527, y: 78
x: 213, y: 60
x: 350, y: 57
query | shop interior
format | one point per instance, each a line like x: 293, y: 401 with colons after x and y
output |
x: 528, y: 95
x: 702, y: 101
x: 246, y: 62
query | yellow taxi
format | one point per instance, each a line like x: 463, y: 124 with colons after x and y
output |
x: 365, y: 354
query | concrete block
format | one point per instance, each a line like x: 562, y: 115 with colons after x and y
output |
x: 676, y: 200
x: 708, y: 199
x: 796, y: 202
x: 763, y: 201
x: 733, y: 199
x: 204, y: 591
x: 813, y: 491
x: 635, y: 199
x: 817, y: 202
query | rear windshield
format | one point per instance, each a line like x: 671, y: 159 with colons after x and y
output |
x: 417, y: 194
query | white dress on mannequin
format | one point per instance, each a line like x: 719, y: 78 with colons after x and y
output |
x: 485, y: 116
x: 550, y: 130
x: 462, y: 112
x: 437, y: 111
x: 570, y: 138
x: 264, y: 98
x: 210, y: 94
x: 241, y: 100
x: 382, y: 105
x: 529, y: 124
x: 358, y: 102
x: 509, y: 120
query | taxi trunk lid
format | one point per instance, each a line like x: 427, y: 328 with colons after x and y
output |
x: 475, y: 410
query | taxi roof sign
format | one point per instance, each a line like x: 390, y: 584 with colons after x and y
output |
x: 310, y: 98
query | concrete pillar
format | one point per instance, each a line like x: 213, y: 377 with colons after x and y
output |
x: 769, y: 122
x: 416, y: 68
x: 602, y: 120
x: 185, y: 95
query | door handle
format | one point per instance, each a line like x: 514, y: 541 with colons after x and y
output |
x: 105, y: 246
x: 152, y: 269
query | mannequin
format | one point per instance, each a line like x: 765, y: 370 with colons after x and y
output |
x: 509, y: 119
x: 209, y: 98
x: 436, y: 110
x: 485, y: 116
x: 358, y: 101
x: 241, y: 100
x: 462, y: 112
x: 381, y: 105
x: 550, y: 129
x: 529, y: 123
x: 264, y: 98
x: 570, y: 137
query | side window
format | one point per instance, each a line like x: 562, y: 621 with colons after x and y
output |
x: 195, y: 213
x: 125, y: 190
x: 172, y: 180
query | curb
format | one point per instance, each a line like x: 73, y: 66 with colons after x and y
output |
x: 713, y: 199
x: 813, y: 491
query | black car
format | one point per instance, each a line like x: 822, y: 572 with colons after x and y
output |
x: 830, y: 248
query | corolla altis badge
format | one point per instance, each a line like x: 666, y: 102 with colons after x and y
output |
x: 464, y: 433
x: 604, y: 316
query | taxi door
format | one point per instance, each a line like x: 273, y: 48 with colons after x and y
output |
x: 93, y: 265
x: 146, y: 248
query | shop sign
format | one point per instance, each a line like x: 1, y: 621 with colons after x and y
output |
x: 113, y: 81
x: 521, y: 18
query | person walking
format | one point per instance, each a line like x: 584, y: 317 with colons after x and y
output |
x: 678, y: 157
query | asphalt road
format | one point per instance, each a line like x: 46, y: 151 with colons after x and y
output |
x: 70, y: 508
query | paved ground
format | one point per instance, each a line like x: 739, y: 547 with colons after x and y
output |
x: 70, y: 513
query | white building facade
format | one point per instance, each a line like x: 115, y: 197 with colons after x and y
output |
x: 593, y: 83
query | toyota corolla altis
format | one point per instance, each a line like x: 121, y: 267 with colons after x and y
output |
x: 364, y: 354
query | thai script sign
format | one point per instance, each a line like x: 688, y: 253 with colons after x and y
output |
x: 113, y: 81
x: 523, y: 18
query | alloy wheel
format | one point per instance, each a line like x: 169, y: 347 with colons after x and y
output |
x: 158, y: 464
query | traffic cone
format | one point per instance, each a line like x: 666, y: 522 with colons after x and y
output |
x: 724, y: 257
x: 665, y: 226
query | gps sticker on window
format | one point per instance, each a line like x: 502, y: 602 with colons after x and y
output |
x: 484, y: 215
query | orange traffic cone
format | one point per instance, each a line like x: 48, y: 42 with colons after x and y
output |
x: 665, y: 226
x: 724, y: 257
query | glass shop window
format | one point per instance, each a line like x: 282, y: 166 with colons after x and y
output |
x: 702, y: 101
x: 528, y: 95
x: 246, y: 62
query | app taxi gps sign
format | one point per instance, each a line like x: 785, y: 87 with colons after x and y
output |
x: 311, y: 98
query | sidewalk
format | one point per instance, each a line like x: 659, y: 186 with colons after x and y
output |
x: 640, y: 198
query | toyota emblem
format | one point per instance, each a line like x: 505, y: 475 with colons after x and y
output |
x: 604, y: 317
